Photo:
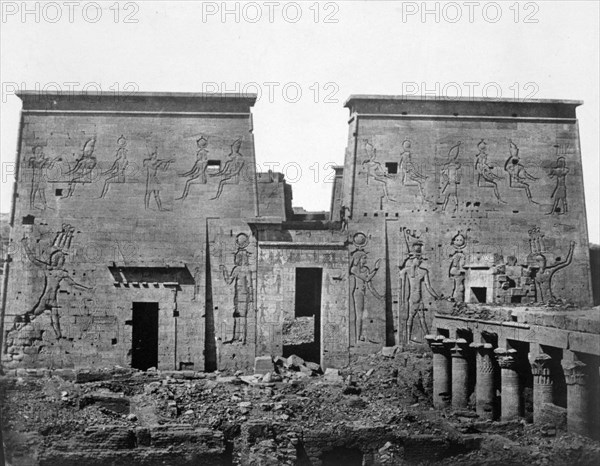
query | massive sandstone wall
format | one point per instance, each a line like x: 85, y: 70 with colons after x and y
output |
x: 473, y: 194
x: 114, y: 201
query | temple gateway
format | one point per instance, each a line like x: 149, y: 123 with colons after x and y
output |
x: 142, y: 236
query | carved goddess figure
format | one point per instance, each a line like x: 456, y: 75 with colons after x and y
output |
x: 451, y: 177
x: 517, y: 174
x: 84, y: 166
x: 375, y: 170
x: 486, y: 177
x: 411, y: 175
x: 230, y: 172
x: 559, y: 194
x: 457, y: 271
x: 241, y: 279
x: 116, y: 173
x: 361, y: 277
x: 198, y: 170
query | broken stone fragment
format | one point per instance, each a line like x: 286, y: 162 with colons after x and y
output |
x: 389, y: 351
x: 113, y: 402
x: 332, y: 375
x: 294, y: 362
x: 263, y: 365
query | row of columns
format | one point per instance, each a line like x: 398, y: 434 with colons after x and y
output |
x: 451, y: 362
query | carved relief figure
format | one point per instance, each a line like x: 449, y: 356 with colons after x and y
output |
x: 344, y: 217
x: 486, y: 178
x: 197, y: 281
x: 410, y: 174
x: 451, y: 177
x: 116, y: 173
x: 560, y: 172
x: 153, y: 164
x: 375, y: 170
x: 361, y: 281
x: 198, y: 170
x: 231, y: 170
x: 241, y: 279
x: 413, y: 278
x: 539, y: 269
x: 84, y: 166
x: 517, y: 174
x: 39, y: 163
x: 54, y: 275
x: 457, y: 268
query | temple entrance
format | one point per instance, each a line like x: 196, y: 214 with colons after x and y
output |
x: 144, y: 338
x: 302, y: 336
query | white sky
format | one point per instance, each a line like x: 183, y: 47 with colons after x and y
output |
x: 371, y: 49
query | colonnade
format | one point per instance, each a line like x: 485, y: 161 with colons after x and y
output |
x: 501, y: 369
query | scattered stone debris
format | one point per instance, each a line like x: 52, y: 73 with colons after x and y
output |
x: 289, y: 412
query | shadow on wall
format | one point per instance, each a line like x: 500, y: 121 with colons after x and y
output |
x: 595, y: 266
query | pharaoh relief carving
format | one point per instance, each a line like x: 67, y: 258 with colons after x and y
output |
x: 361, y: 284
x: 451, y: 177
x: 39, y: 164
x: 414, y: 280
x: 196, y: 174
x: 559, y: 194
x: 82, y: 171
x: 56, y: 275
x: 230, y: 172
x: 153, y: 165
x: 116, y: 173
x: 518, y: 176
x: 240, y: 277
x: 375, y: 171
x: 486, y: 178
x: 539, y: 269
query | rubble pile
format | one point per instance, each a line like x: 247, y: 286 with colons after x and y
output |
x: 377, y: 410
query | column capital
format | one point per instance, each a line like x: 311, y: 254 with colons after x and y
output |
x: 541, y: 368
x: 574, y: 372
x: 506, y: 358
x: 436, y: 343
x: 459, y: 348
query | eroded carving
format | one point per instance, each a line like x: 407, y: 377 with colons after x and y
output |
x: 198, y: 170
x: 486, y: 178
x: 240, y: 277
x: 376, y: 171
x: 539, y: 269
x: 82, y: 171
x: 518, y: 176
x: 39, y: 163
x: 116, y: 173
x: 153, y: 186
x: 451, y: 177
x: 231, y: 170
x: 55, y: 274
x: 361, y: 281
x: 409, y: 172
x: 560, y: 172
x: 413, y: 277
x: 457, y: 269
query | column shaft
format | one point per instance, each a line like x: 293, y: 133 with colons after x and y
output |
x: 510, y: 386
x: 460, y: 376
x: 484, y: 388
x: 577, y: 397
x: 543, y: 387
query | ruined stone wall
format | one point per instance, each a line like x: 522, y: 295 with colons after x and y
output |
x: 112, y: 206
x: 459, y: 197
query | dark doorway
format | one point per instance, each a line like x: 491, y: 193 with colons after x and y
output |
x: 302, y: 337
x: 144, y: 339
x: 342, y: 456
x: 479, y: 294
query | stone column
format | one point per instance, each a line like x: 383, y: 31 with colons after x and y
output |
x: 510, y: 386
x: 577, y: 397
x: 441, y: 371
x: 543, y: 384
x: 484, y: 388
x: 460, y: 374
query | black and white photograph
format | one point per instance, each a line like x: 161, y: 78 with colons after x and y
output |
x: 299, y: 233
